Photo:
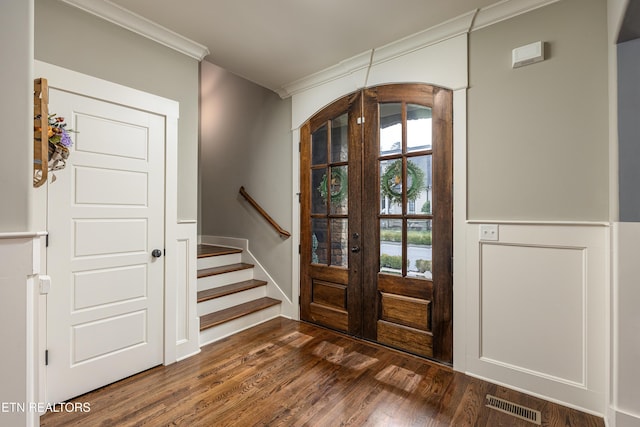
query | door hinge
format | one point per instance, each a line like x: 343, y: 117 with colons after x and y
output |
x: 46, y: 357
x: 46, y: 241
x: 299, y: 300
x: 299, y: 249
x: 299, y: 147
x: 164, y: 252
x: 360, y: 120
x: 299, y: 197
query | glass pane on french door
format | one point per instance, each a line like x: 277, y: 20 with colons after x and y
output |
x: 406, y: 184
x: 330, y: 193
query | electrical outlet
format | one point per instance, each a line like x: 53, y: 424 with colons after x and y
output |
x: 489, y: 232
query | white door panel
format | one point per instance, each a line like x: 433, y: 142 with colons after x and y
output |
x: 106, y: 215
x: 113, y: 187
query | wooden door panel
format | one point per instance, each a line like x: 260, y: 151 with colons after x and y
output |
x: 329, y: 316
x: 330, y: 274
x: 406, y: 338
x: 406, y: 311
x: 328, y: 305
x: 330, y: 294
x: 416, y: 288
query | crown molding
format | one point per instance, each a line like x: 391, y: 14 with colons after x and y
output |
x: 126, y: 19
x: 506, y: 9
x: 466, y: 23
x: 340, y: 70
x: 444, y: 31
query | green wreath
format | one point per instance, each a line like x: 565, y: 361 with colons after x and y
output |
x: 339, y: 185
x: 391, y: 180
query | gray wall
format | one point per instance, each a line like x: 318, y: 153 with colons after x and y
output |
x: 245, y: 141
x: 629, y: 130
x: 16, y: 110
x: 70, y: 38
x: 538, y: 135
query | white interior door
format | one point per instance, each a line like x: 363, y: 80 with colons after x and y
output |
x: 105, y: 217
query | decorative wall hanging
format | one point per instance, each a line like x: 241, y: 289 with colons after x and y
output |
x: 338, y: 187
x: 51, y: 138
x: 391, y: 181
x: 59, y: 142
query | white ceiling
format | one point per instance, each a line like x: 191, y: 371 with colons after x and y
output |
x: 276, y: 42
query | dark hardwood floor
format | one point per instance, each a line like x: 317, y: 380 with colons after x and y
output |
x: 287, y: 373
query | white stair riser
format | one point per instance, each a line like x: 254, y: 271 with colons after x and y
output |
x: 227, y: 301
x: 218, y: 280
x: 221, y: 331
x: 218, y: 261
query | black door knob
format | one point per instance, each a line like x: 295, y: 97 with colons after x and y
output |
x: 355, y: 249
x: 157, y: 253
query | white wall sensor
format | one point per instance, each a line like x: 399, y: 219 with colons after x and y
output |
x: 529, y: 54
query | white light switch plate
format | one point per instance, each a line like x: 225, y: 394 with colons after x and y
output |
x: 489, y: 232
x: 45, y: 284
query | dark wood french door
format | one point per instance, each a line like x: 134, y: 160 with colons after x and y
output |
x: 376, y: 218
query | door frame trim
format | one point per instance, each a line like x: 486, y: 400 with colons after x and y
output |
x: 72, y: 81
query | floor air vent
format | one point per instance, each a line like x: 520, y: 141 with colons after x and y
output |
x: 514, y: 409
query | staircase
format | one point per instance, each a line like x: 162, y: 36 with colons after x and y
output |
x: 229, y: 298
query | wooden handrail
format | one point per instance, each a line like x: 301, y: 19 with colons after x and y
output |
x: 284, y: 233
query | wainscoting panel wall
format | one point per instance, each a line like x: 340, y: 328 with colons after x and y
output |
x: 20, y: 264
x: 187, y: 321
x: 626, y: 324
x: 534, y: 278
x: 538, y: 302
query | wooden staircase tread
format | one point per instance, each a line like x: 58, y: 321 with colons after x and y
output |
x: 206, y: 272
x: 219, y: 317
x: 205, y: 251
x: 233, y: 288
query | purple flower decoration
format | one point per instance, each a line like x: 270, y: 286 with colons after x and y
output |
x: 65, y: 139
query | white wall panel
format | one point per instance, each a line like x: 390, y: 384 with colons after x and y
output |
x: 626, y: 324
x: 537, y: 310
x: 19, y: 261
x: 187, y: 322
x: 533, y: 303
x: 182, y: 294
